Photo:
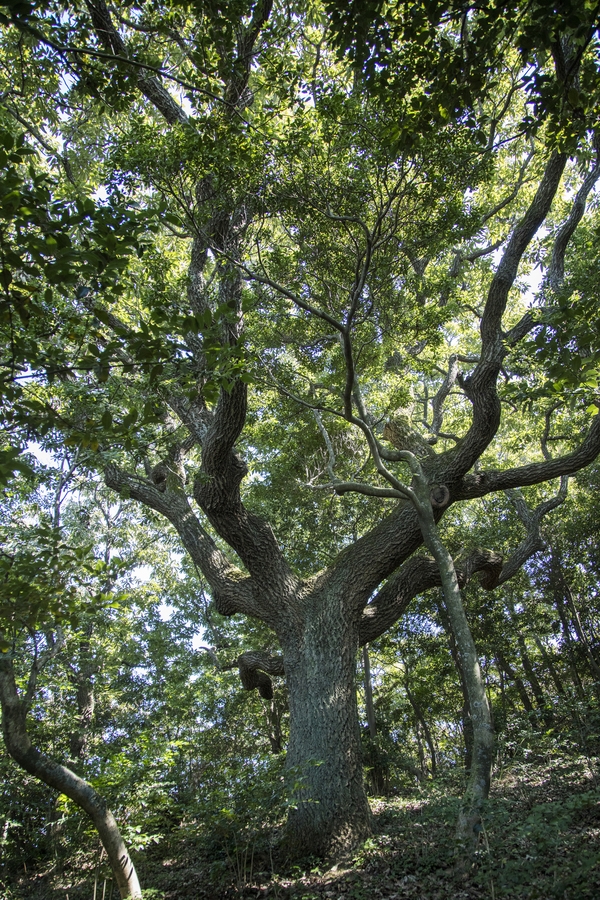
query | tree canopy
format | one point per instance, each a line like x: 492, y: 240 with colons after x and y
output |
x: 298, y: 279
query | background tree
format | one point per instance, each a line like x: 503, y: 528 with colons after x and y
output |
x: 122, y: 698
x: 40, y: 592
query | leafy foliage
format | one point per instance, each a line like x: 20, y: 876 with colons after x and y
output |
x: 254, y: 214
x: 55, y: 254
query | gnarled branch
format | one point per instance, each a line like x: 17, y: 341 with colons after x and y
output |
x: 254, y: 666
x: 232, y: 590
x: 482, y: 483
x: 417, y: 575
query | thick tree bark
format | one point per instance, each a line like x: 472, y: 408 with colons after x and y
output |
x: 331, y: 812
x: 62, y: 779
x: 320, y: 639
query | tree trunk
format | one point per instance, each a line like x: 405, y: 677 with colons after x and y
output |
x: 420, y: 718
x: 14, y: 715
x: 576, y: 620
x: 534, y: 682
x: 82, y: 680
x: 557, y: 589
x: 369, y: 707
x: 272, y: 715
x: 549, y: 665
x: 504, y: 666
x: 378, y: 772
x: 331, y: 813
x: 465, y: 715
x: 478, y: 785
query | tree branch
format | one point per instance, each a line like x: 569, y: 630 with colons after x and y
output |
x: 417, y: 575
x: 480, y: 386
x: 533, y: 541
x: 438, y: 401
x: 53, y: 646
x: 253, y: 666
x: 110, y: 38
x: 482, y: 483
x: 232, y: 590
x: 565, y: 232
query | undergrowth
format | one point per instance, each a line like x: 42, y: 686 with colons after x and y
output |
x: 540, y: 841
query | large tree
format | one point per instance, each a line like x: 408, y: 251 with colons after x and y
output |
x: 357, y: 254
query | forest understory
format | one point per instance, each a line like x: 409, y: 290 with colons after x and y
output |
x: 540, y: 839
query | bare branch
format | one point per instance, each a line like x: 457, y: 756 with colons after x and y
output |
x: 439, y: 399
x: 482, y: 483
x: 54, y: 644
x: 533, y: 541
x: 285, y: 292
x: 483, y: 251
x: 36, y: 133
x: 510, y: 197
x: 565, y: 233
x: 328, y: 444
x: 520, y: 330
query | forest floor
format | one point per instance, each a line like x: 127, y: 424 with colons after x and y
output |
x: 541, y: 840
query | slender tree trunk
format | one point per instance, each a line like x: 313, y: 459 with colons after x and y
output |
x: 378, y: 773
x: 505, y: 667
x: 420, y: 750
x: 466, y: 721
x: 419, y: 716
x: 272, y: 716
x: 14, y: 716
x: 370, y: 709
x: 550, y: 666
x: 557, y: 589
x: 533, y: 680
x: 82, y: 679
x: 478, y: 785
x: 593, y: 664
x: 564, y: 586
x: 331, y: 812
